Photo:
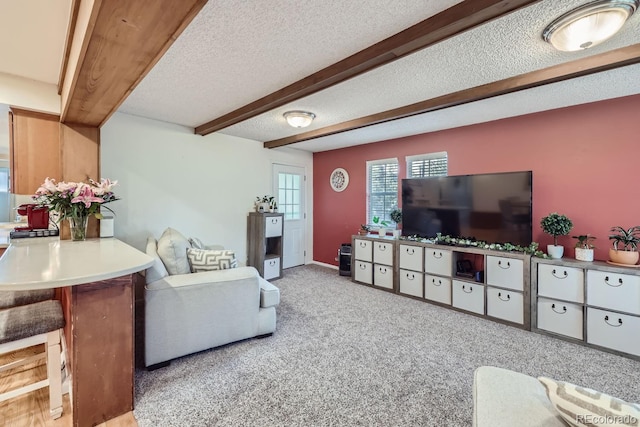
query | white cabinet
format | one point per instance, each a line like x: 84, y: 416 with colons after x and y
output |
x: 560, y: 317
x: 411, y: 257
x: 437, y: 288
x: 613, y: 291
x: 271, y: 268
x: 373, y: 261
x: 560, y: 282
x: 383, y: 276
x: 411, y: 282
x: 437, y: 261
x: 505, y: 272
x: 504, y: 304
x: 383, y: 253
x: 468, y: 296
x: 363, y: 272
x: 613, y: 330
x: 273, y: 226
x: 363, y: 250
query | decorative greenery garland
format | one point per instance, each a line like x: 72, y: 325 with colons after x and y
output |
x: 532, y: 249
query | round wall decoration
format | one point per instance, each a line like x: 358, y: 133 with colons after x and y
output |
x: 339, y: 179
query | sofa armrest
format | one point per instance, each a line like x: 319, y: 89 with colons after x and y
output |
x: 269, y: 294
x: 183, y: 280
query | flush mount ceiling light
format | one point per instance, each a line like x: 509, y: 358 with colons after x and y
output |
x: 299, y: 119
x: 589, y: 25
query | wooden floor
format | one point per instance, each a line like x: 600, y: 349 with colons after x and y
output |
x: 32, y: 409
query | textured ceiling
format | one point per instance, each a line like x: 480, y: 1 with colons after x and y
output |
x: 33, y: 34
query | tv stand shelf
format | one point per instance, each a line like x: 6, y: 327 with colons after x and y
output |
x: 492, y: 284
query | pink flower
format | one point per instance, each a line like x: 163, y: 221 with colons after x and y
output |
x: 102, y: 187
x: 86, y: 196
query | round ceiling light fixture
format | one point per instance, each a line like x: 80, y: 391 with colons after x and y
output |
x: 299, y: 119
x: 589, y: 24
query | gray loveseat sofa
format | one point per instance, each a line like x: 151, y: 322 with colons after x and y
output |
x: 190, y: 312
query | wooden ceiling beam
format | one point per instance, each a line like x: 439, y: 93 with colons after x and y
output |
x: 455, y: 20
x: 582, y: 67
x: 121, y: 41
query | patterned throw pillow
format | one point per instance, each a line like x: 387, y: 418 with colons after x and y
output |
x: 580, y: 406
x: 207, y: 260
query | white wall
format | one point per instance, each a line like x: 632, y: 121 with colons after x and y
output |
x: 29, y: 94
x: 201, y: 186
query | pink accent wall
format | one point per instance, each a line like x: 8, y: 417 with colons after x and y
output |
x: 578, y: 156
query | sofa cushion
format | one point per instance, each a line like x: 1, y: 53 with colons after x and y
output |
x: 172, y: 249
x: 196, y: 243
x: 269, y: 294
x: 580, y: 406
x: 207, y: 260
x: 157, y: 271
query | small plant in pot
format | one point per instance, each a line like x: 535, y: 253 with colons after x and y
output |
x: 556, y: 225
x: 625, y: 245
x: 584, y: 247
x: 396, y: 217
x: 364, y: 230
x: 381, y: 225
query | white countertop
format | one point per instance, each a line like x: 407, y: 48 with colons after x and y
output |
x: 48, y: 262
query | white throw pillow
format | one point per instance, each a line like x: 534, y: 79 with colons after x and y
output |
x: 207, y: 260
x: 157, y: 271
x: 196, y: 243
x: 580, y: 406
x: 172, y: 249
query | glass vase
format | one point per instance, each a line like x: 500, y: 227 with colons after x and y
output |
x: 78, y: 227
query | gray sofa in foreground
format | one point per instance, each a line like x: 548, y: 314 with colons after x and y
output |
x: 191, y: 312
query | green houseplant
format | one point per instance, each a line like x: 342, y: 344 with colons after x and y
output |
x: 556, y: 225
x: 625, y: 245
x: 584, y: 247
x: 396, y: 217
x: 380, y: 224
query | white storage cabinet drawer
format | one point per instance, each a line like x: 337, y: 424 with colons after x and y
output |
x: 468, y: 296
x: 383, y: 276
x: 363, y: 250
x: 411, y: 283
x: 437, y: 261
x: 411, y: 257
x: 505, y: 305
x: 271, y: 268
x: 565, y: 283
x: 613, y: 330
x: 273, y: 226
x: 383, y: 253
x: 437, y: 289
x: 613, y: 291
x: 560, y: 317
x: 505, y: 272
x: 363, y: 272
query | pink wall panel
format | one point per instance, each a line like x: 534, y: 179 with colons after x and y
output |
x: 578, y: 156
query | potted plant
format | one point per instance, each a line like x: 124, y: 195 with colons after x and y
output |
x: 381, y: 224
x: 263, y: 204
x: 396, y: 217
x: 364, y: 230
x: 584, y: 247
x: 556, y: 225
x: 625, y: 245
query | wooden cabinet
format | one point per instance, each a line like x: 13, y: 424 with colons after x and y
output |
x: 34, y: 149
x: 264, y: 243
x: 373, y: 261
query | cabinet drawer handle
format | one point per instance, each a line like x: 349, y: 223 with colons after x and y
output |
x: 606, y: 319
x: 606, y: 280
x: 564, y: 309
x: 500, y: 297
x: 363, y: 266
x: 465, y: 291
x: 363, y: 244
x: 272, y: 263
x: 411, y: 276
x: 566, y: 274
x: 437, y: 255
x: 274, y: 220
x: 382, y: 247
x: 410, y: 251
x: 504, y: 268
x: 436, y: 284
x: 382, y: 270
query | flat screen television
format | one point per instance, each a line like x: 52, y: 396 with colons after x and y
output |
x: 493, y: 207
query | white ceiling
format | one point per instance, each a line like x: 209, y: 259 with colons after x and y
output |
x: 236, y: 52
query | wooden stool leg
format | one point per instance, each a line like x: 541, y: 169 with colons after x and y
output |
x: 54, y: 373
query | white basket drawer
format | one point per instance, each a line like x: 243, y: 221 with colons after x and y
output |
x: 411, y: 257
x: 437, y: 261
x: 505, y: 272
x: 411, y: 283
x: 363, y: 250
x: 383, y: 253
x: 468, y: 296
x: 383, y: 276
x: 565, y: 283
x: 613, y: 330
x: 560, y: 317
x: 363, y: 272
x: 437, y: 289
x: 271, y: 268
x: 273, y: 226
x: 505, y: 305
x: 613, y: 291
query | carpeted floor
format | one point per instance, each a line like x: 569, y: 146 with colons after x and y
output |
x: 346, y: 354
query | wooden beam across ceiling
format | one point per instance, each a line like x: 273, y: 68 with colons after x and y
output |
x: 448, y: 23
x: 123, y: 40
x: 582, y: 67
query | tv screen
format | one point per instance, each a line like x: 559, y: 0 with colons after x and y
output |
x: 495, y: 207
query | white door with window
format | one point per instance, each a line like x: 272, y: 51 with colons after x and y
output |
x: 288, y: 187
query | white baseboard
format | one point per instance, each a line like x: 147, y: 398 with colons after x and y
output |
x: 335, y: 267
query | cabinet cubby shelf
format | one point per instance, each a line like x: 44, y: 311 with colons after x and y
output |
x: 264, y: 243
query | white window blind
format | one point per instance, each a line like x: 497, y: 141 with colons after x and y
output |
x: 382, y: 188
x: 423, y: 165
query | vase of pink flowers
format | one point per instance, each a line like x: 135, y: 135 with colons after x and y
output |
x: 76, y: 201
